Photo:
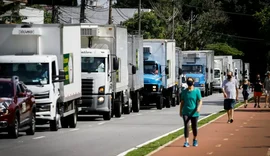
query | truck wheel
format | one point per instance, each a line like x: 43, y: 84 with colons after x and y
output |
x: 136, y: 102
x: 14, y: 129
x: 174, y: 102
x: 159, y: 102
x: 117, y: 109
x: 64, y: 122
x: 127, y: 109
x: 168, y: 102
x: 72, y: 119
x: 203, y: 93
x: 107, y: 116
x: 32, y: 124
x: 54, y: 124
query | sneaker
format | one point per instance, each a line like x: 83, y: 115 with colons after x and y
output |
x: 259, y: 106
x: 195, y: 143
x: 231, y: 121
x: 265, y: 106
x: 186, y: 144
x: 255, y: 105
x: 245, y: 106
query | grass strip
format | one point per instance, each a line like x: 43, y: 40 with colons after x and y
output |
x: 146, y: 149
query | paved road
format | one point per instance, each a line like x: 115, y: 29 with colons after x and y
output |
x: 95, y: 137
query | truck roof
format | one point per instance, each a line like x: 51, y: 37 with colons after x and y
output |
x: 27, y: 58
x: 34, y: 25
x: 198, y: 51
x: 158, y: 40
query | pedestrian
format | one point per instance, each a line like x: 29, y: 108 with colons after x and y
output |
x: 191, y: 102
x: 267, y: 89
x: 245, y: 91
x: 258, y: 88
x: 230, y: 92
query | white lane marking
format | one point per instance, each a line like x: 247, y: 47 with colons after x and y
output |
x: 101, y: 123
x: 225, y: 139
x: 231, y: 134
x: 236, y: 129
x: 152, y: 111
x: 40, y: 137
x: 121, y: 118
x: 210, y: 153
x: 139, y: 114
x: 218, y: 145
x: 74, y: 129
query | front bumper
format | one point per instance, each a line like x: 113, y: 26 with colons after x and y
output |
x: 44, y: 111
x: 92, y: 105
x: 202, y: 89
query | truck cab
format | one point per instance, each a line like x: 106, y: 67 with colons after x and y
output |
x: 17, y: 107
x: 197, y: 72
x: 153, y: 83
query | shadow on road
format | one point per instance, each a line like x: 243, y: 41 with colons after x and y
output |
x: 252, y: 110
x: 266, y: 146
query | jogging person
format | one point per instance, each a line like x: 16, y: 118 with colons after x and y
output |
x: 267, y: 90
x: 230, y: 92
x: 191, y: 102
x: 258, y: 88
x: 245, y: 91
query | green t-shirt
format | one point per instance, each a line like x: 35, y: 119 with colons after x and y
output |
x: 191, y: 99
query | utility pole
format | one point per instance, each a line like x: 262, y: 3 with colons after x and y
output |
x: 53, y: 12
x: 82, y: 13
x: 139, y: 15
x: 110, y: 12
x: 173, y: 8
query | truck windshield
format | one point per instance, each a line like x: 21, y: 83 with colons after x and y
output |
x: 29, y: 73
x: 93, y: 64
x: 150, y: 69
x: 216, y: 73
x: 6, y: 89
x: 192, y: 69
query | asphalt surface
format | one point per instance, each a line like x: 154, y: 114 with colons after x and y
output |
x: 95, y: 137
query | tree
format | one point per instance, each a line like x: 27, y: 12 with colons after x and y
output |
x: 224, y: 49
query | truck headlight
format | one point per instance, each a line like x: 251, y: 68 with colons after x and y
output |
x: 154, y: 86
x: 101, y: 99
x: 101, y: 89
x: 154, y: 90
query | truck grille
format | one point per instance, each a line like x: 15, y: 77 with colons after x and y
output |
x: 149, y: 88
x: 87, y: 86
x: 44, y: 95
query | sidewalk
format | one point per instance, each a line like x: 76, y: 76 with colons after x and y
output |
x: 249, y: 134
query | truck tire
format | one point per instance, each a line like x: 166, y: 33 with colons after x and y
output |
x: 127, y: 109
x: 72, y: 119
x: 13, y: 130
x: 64, y: 122
x: 136, y: 102
x: 118, y: 109
x: 159, y: 103
x: 107, y: 116
x: 168, y: 102
x: 203, y: 93
x: 32, y: 125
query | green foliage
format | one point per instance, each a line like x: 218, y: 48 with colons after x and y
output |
x: 47, y: 14
x: 224, y: 49
x: 263, y: 18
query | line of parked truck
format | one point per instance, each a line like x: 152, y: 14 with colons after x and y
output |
x: 65, y: 70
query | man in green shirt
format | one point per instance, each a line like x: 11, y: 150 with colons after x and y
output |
x: 191, y: 102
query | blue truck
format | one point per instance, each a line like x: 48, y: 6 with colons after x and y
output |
x: 200, y: 65
x: 159, y: 73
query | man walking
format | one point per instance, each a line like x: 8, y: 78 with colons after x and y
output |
x: 230, y: 92
x: 267, y: 90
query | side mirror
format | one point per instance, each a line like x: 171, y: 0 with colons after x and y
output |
x: 133, y: 69
x: 166, y: 70
x: 206, y: 70
x: 180, y: 71
x: 62, y: 75
x: 115, y: 64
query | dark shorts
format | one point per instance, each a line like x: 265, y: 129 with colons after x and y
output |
x: 229, y: 104
x: 245, y: 95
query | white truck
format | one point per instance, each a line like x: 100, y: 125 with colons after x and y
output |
x: 37, y: 54
x: 238, y: 70
x: 159, y: 72
x: 200, y: 66
x: 135, y: 70
x: 219, y: 71
x: 247, y: 71
x: 105, y: 76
